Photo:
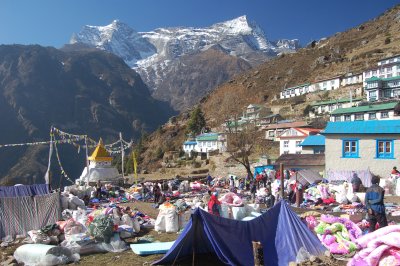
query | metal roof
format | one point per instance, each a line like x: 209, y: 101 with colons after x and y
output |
x: 291, y: 160
x: 314, y: 140
x: 363, y: 127
x: 306, y: 177
x: 365, y: 108
x: 190, y: 143
x: 207, y: 137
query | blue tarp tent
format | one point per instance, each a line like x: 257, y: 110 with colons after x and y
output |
x: 261, y: 168
x: 280, y: 231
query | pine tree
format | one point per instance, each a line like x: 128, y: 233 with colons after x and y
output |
x: 197, y: 121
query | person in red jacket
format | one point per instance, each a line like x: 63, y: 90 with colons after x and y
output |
x: 214, y: 205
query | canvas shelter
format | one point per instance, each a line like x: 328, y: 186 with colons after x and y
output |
x: 24, y: 208
x: 306, y: 177
x: 280, y: 231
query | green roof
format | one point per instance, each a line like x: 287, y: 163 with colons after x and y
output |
x: 382, y: 79
x: 236, y: 124
x: 391, y: 78
x: 373, y: 79
x: 298, y: 86
x: 365, y: 108
x: 335, y: 101
x: 207, y: 137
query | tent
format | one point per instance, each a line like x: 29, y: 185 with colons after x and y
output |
x: 261, y: 168
x: 306, y: 177
x: 280, y: 231
x: 24, y: 208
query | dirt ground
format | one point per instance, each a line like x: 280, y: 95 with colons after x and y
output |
x: 129, y: 258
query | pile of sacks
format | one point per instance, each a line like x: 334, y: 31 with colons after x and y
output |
x: 381, y: 247
x: 172, y: 217
x: 337, y: 234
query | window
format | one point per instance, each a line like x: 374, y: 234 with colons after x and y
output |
x: 387, y: 93
x: 372, y: 95
x: 319, y: 150
x: 286, y: 152
x: 298, y: 142
x: 350, y: 148
x: 384, y: 148
x: 359, y: 117
x: 286, y: 144
x: 347, y: 118
x: 298, y: 152
x: 371, y: 116
x: 271, y: 133
x: 337, y: 118
x: 384, y: 114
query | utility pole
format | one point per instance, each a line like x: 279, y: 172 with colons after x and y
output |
x: 122, y: 154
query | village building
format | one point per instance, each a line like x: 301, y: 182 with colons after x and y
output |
x: 100, y: 168
x: 205, y: 143
x: 382, y: 88
x: 313, y: 144
x: 372, y: 146
x: 295, y: 91
x: 381, y: 111
x: 327, y: 107
x: 290, y: 140
x: 273, y: 131
x: 387, y: 68
x: 328, y: 84
x: 270, y: 119
x: 315, y: 162
x: 351, y: 79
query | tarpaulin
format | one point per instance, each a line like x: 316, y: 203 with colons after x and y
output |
x: 22, y: 190
x: 261, y: 168
x: 18, y: 215
x: 280, y: 231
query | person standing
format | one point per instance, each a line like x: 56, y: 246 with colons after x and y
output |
x: 253, y: 191
x: 356, y: 183
x: 374, y: 202
x: 214, y: 205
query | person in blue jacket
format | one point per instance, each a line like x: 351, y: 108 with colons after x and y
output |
x: 374, y: 203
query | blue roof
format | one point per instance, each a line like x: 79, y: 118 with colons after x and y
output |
x: 314, y: 140
x: 363, y: 127
x: 190, y: 143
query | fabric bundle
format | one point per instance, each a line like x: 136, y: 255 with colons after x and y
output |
x: 381, y: 247
x: 338, y: 234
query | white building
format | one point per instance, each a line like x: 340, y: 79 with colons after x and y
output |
x: 351, y: 79
x: 382, y: 88
x: 290, y: 140
x: 295, y: 91
x: 362, y: 146
x: 205, y: 143
x: 325, y: 84
x: 327, y: 107
x: 100, y: 168
x: 387, y: 68
x: 383, y: 111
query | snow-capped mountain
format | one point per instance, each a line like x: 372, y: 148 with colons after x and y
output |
x: 155, y: 54
x: 142, y: 49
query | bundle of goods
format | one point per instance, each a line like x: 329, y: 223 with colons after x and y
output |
x: 319, y: 193
x: 167, y: 219
x: 381, y: 247
x: 338, y: 234
x: 231, y: 199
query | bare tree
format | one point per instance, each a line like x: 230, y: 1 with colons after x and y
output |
x: 242, y: 138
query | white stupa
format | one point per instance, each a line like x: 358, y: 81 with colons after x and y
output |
x: 100, y: 168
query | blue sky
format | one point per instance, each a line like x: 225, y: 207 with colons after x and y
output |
x: 52, y: 22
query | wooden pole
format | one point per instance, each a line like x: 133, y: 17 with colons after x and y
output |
x: 258, y: 254
x: 122, y: 156
x: 282, y: 181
